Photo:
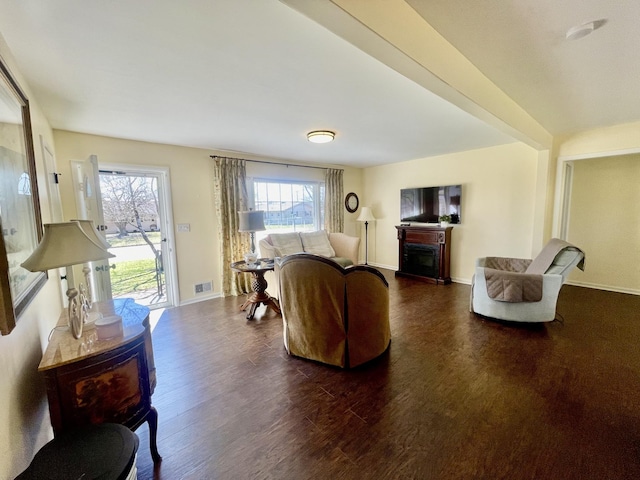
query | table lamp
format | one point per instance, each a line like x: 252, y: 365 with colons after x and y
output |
x: 366, y: 216
x: 251, y: 221
x: 64, y: 245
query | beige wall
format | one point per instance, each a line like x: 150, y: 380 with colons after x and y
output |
x: 617, y: 139
x: 24, y: 415
x: 191, y: 176
x: 612, y: 157
x: 498, y: 203
x: 191, y: 172
x: 604, y: 221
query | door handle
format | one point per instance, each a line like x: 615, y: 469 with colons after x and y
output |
x: 105, y: 268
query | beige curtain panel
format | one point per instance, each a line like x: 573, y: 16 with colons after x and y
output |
x: 230, y: 193
x: 333, y: 196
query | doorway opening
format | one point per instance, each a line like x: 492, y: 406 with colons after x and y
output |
x: 137, y: 224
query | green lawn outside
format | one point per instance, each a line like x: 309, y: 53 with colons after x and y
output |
x: 133, y: 276
x: 132, y: 240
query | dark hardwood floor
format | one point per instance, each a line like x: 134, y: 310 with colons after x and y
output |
x: 455, y: 397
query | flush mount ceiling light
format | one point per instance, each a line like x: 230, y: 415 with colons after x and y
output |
x: 580, y: 31
x: 321, y: 136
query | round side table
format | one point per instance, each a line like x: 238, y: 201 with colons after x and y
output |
x: 259, y: 285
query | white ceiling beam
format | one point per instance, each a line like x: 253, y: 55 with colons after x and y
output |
x: 395, y: 34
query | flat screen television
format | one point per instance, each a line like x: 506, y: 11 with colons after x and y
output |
x: 426, y: 204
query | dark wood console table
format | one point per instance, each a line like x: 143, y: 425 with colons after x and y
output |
x: 424, y: 253
x: 92, y: 381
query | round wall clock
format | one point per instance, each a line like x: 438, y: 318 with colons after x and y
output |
x: 351, y: 202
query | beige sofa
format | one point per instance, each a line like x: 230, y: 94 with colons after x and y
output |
x: 339, y: 247
x: 330, y: 314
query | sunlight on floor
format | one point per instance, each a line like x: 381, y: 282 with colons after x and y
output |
x: 154, y: 317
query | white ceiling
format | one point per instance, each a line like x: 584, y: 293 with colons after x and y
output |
x: 521, y: 46
x: 253, y: 76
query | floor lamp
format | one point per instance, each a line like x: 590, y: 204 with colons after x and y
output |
x: 366, y: 216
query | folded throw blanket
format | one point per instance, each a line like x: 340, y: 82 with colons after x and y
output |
x: 547, y: 255
x: 505, y: 284
x: 513, y: 287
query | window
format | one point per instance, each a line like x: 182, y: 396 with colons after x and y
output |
x: 289, y: 206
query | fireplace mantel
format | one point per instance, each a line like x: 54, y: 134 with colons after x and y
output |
x: 415, y: 262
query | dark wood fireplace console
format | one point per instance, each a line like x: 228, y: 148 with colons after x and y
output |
x: 424, y: 253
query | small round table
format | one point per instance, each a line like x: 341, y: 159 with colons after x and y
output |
x: 259, y: 285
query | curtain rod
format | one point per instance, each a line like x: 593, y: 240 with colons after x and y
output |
x: 281, y: 164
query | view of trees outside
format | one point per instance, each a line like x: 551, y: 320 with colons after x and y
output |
x: 130, y: 204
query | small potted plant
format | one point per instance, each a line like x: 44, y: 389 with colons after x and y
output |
x: 444, y: 220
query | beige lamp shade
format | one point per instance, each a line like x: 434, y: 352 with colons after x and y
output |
x: 89, y: 229
x: 251, y: 221
x: 366, y: 215
x: 63, y: 245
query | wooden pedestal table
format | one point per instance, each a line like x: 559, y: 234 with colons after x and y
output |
x: 259, y: 285
x: 93, y: 381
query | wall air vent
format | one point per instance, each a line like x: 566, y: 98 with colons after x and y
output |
x: 203, y: 287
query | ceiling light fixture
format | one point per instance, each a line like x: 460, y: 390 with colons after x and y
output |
x: 321, y: 136
x: 580, y: 31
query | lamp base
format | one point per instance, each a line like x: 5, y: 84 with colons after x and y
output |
x: 77, y: 311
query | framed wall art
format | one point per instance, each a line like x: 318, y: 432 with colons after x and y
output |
x: 20, y: 218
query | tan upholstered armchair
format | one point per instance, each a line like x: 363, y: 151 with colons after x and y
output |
x: 524, y: 290
x: 334, y: 315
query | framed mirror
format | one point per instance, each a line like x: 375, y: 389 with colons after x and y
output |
x: 351, y: 202
x: 20, y: 218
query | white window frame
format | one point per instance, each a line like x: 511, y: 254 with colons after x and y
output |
x: 317, y: 192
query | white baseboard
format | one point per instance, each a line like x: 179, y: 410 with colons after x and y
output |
x: 608, y: 288
x: 380, y: 265
x: 595, y: 286
x: 201, y: 298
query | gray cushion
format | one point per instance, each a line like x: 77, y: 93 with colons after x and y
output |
x: 563, y: 260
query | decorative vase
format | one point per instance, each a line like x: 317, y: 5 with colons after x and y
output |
x: 444, y: 224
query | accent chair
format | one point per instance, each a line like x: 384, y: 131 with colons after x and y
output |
x: 523, y: 290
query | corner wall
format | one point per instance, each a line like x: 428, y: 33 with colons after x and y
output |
x: 498, y: 203
x: 604, y: 214
x: 604, y: 222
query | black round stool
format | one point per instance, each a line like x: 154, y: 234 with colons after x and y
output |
x: 105, y: 452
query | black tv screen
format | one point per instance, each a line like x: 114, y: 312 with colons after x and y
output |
x: 426, y: 204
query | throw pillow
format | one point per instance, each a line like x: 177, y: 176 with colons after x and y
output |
x: 317, y: 243
x: 286, y: 243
